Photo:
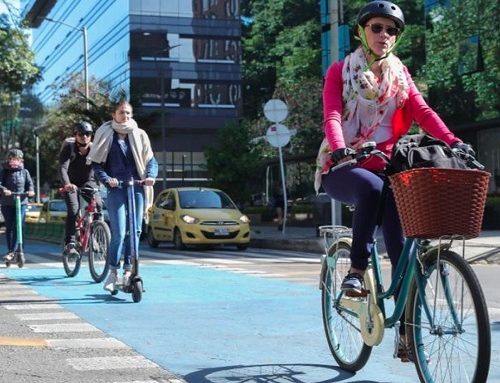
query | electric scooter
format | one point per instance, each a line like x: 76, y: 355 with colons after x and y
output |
x: 135, y: 285
x: 19, y: 251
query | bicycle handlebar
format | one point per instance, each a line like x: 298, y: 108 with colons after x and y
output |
x: 469, y: 159
x: 367, y: 150
x: 84, y: 189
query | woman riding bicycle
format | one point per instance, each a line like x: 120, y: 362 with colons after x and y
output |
x: 370, y: 96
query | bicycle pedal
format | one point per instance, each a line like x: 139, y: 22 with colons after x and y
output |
x: 357, y: 294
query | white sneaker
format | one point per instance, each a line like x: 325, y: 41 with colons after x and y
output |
x: 9, y: 257
x: 111, y: 281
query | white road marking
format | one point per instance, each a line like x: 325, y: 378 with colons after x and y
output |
x: 63, y: 327
x: 47, y: 316
x: 86, y: 343
x: 111, y: 363
x: 39, y: 306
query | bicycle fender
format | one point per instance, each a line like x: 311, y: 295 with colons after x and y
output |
x: 347, y: 241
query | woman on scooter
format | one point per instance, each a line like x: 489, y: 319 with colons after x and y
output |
x: 120, y: 151
x: 14, y: 178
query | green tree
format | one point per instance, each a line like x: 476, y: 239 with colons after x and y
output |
x: 281, y: 44
x: 473, y: 94
x: 17, y: 70
x: 232, y: 164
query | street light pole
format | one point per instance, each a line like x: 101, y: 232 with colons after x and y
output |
x: 85, y: 67
x: 83, y: 30
x: 163, y: 130
x: 37, y: 151
x: 162, y: 115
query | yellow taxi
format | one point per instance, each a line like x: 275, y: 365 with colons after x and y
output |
x: 53, y: 210
x: 33, y: 212
x: 196, y: 216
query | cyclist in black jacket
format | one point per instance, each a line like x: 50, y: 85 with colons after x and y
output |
x: 75, y: 173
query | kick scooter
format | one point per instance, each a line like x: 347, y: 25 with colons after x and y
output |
x: 135, y: 285
x: 19, y: 251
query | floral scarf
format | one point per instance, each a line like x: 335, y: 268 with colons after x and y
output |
x: 366, y: 102
x: 366, y: 99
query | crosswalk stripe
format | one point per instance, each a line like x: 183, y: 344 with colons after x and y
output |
x: 108, y: 343
x: 63, y: 327
x: 31, y: 297
x: 16, y: 292
x: 111, y: 363
x: 173, y: 380
x: 47, y: 316
x: 32, y: 306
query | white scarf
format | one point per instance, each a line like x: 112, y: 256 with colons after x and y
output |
x: 139, y: 143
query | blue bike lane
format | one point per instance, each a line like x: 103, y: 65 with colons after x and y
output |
x: 209, y: 325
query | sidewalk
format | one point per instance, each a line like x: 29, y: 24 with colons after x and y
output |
x: 485, y: 248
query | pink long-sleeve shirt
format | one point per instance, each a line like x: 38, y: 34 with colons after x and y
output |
x: 414, y: 109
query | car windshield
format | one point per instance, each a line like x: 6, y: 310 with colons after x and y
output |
x: 205, y: 199
x: 58, y: 206
x: 34, y: 208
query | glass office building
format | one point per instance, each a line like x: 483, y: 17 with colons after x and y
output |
x: 187, y: 51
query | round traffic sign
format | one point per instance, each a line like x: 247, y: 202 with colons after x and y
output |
x: 275, y: 110
x: 278, y: 135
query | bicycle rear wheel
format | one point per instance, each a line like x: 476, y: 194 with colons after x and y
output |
x: 100, y: 237
x: 456, y: 346
x: 342, y: 328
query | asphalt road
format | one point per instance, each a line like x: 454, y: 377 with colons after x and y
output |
x: 206, y: 316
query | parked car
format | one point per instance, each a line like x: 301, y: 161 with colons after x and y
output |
x: 33, y: 212
x: 196, y: 216
x: 53, y: 210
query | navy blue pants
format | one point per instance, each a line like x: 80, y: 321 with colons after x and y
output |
x: 363, y: 189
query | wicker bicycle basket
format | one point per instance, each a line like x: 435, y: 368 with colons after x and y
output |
x: 433, y: 202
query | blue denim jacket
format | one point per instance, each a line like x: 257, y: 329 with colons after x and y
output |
x: 120, y: 163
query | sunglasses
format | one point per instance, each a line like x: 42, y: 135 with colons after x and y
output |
x: 88, y: 134
x: 377, y: 28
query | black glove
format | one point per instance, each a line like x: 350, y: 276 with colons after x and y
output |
x: 463, y: 147
x: 338, y: 155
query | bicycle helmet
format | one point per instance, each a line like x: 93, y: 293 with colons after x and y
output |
x: 15, y: 153
x: 382, y: 9
x: 83, y: 127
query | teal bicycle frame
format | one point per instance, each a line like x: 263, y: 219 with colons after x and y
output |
x: 406, y: 270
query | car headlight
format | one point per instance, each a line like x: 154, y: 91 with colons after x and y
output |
x: 188, y: 219
x: 244, y: 219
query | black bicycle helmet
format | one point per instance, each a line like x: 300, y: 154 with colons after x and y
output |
x: 83, y: 127
x: 382, y: 9
x: 15, y: 153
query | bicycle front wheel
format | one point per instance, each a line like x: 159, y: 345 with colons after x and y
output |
x: 100, y: 237
x: 450, y: 331
x: 71, y: 262
x: 342, y: 328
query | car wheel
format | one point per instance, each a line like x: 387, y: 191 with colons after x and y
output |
x: 179, y: 245
x: 152, y: 242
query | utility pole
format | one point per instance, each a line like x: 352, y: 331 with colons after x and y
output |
x: 83, y: 30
